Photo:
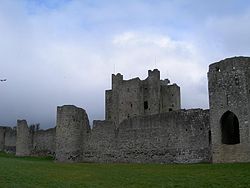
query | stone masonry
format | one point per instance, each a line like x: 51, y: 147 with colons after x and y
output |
x: 71, y: 128
x: 144, y: 123
x: 23, y: 141
x: 229, y: 100
x: 173, y: 137
x: 131, y: 98
x: 7, y: 139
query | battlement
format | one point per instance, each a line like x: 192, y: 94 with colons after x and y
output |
x: 154, y: 74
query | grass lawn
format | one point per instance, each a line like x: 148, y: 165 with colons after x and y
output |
x: 43, y: 172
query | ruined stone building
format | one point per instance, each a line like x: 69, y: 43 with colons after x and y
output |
x: 145, y: 123
x: 229, y: 101
x: 131, y: 98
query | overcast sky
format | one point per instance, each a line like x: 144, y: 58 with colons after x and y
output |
x: 56, y: 52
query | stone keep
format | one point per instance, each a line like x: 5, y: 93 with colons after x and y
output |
x: 23, y: 140
x: 229, y: 100
x: 130, y: 98
x: 72, y: 126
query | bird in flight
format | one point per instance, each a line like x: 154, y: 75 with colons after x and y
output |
x: 3, y: 80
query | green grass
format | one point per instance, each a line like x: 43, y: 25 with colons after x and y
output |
x: 43, y: 172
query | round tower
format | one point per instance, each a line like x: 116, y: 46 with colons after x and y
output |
x: 229, y: 101
x: 72, y: 125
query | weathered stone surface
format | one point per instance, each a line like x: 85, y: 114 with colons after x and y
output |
x: 134, y: 97
x: 41, y: 142
x: 23, y: 139
x: 100, y: 144
x: 72, y: 125
x: 173, y: 137
x: 2, y: 138
x: 144, y: 123
x: 229, y: 93
x: 44, y: 142
x: 10, y: 140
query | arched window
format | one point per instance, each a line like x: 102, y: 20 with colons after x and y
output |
x: 230, y: 128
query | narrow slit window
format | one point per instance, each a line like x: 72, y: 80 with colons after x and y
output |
x: 145, y: 105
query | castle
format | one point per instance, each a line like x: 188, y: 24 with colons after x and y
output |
x: 144, y: 123
x: 135, y: 97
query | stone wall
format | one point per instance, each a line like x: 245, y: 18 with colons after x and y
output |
x: 229, y: 100
x: 2, y: 138
x: 144, y: 124
x: 71, y: 131
x: 100, y: 146
x: 173, y: 137
x: 28, y: 141
x: 10, y: 140
x: 44, y: 142
x: 23, y: 139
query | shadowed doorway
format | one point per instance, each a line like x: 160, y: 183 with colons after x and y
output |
x: 230, y: 128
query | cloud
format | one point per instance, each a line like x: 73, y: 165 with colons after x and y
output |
x: 231, y: 33
x: 180, y: 61
x: 64, y: 52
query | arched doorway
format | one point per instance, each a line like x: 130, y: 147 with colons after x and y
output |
x: 230, y: 128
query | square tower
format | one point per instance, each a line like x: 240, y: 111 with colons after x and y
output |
x: 134, y: 97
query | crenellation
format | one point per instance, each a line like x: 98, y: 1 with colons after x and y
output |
x: 154, y: 74
x: 165, y: 82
